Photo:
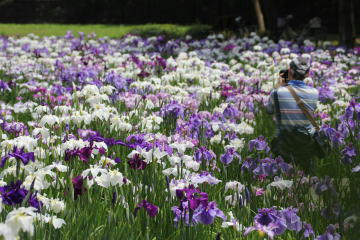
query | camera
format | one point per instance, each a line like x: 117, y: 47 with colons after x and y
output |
x: 284, y: 73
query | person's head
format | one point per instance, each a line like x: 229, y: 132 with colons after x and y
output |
x: 299, y: 68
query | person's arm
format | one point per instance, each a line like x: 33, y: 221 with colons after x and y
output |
x: 270, y: 105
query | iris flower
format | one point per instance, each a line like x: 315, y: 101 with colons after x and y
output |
x: 19, y: 154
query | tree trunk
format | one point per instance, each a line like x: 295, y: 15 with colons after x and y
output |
x: 347, y: 30
x: 259, y: 16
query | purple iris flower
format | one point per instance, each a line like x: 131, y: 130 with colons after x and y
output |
x: 351, y: 109
x: 249, y: 164
x: 308, y: 230
x: 204, y: 177
x: 34, y: 202
x: 336, y: 137
x: 137, y: 162
x: 229, y: 47
x: 4, y: 86
x: 19, y: 154
x: 259, y: 144
x: 229, y: 155
x: 15, y: 194
x: 269, y: 221
x: 108, y: 141
x: 195, y: 208
x: 293, y: 221
x: 16, y: 128
x: 84, y: 154
x: 206, y: 214
x: 151, y: 209
x: 78, y: 185
x: 87, y: 133
x: 193, y: 195
x: 348, y: 153
x: 329, y: 234
x: 204, y: 154
x: 231, y: 112
x: 119, y: 82
x: 159, y: 61
x: 324, y: 185
x: 326, y: 94
x: 135, y: 140
x: 173, y: 110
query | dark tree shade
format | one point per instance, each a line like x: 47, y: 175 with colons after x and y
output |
x: 220, y: 14
x: 347, y: 31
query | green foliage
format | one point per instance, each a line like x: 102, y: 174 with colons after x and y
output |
x: 113, y: 31
x: 199, y: 31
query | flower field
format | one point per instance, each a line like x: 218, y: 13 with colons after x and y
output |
x: 144, y: 138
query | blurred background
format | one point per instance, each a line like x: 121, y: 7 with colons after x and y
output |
x: 276, y: 18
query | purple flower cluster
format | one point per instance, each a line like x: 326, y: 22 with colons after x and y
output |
x: 275, y: 222
x: 138, y: 140
x: 197, y: 127
x: 14, y: 194
x: 348, y: 153
x: 17, y: 128
x: 173, y: 110
x: 195, y: 208
x: 326, y: 94
x: 266, y: 167
x: 329, y: 234
x: 84, y: 153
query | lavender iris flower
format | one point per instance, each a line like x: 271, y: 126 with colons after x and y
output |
x: 4, y: 86
x: 207, y: 214
x: 329, y: 234
x: 348, y: 153
x: 326, y: 94
x: 259, y: 144
x: 293, y: 221
x: 87, y: 133
x: 204, y: 154
x: 173, y: 110
x: 274, y: 222
x: 308, y: 230
x: 16, y: 128
x: 229, y: 155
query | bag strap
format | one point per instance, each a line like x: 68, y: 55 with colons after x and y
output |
x: 303, y: 108
x: 277, y: 107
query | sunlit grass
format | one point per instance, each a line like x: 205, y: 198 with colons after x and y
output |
x: 100, y: 29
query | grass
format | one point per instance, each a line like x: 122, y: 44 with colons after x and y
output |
x: 115, y: 31
x: 101, y: 30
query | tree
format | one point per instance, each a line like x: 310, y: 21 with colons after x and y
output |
x: 347, y: 30
x: 259, y: 16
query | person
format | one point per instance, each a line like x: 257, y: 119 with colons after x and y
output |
x: 294, y: 130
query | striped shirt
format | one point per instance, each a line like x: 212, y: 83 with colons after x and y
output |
x: 291, y: 114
